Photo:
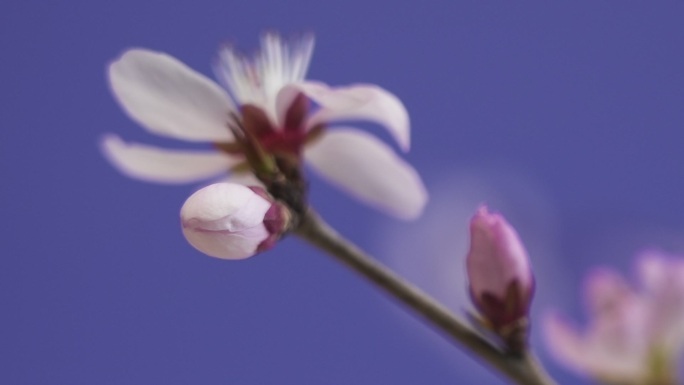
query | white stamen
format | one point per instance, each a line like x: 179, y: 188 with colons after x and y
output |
x: 257, y: 81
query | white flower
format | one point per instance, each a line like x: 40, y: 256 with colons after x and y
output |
x: 232, y: 221
x: 634, y: 336
x: 271, y: 97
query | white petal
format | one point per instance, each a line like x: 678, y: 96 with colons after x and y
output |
x: 169, y: 98
x: 369, y: 170
x: 153, y: 164
x: 358, y: 102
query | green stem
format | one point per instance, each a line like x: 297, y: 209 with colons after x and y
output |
x: 520, y: 369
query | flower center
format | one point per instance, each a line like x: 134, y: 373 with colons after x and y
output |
x: 288, y: 138
x: 283, y: 141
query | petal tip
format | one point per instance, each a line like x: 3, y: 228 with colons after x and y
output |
x: 415, y: 209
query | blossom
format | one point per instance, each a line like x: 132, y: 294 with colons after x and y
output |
x: 232, y: 221
x: 499, y: 274
x: 268, y: 97
x: 634, y: 334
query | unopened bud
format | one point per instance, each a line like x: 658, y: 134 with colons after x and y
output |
x: 499, y: 274
x: 232, y: 221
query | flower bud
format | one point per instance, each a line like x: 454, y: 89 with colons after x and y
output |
x: 232, y: 221
x: 499, y: 273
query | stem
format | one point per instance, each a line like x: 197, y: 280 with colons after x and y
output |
x: 520, y: 369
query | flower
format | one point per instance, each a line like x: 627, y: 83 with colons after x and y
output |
x: 232, y: 221
x: 634, y: 335
x: 269, y: 98
x: 499, y: 274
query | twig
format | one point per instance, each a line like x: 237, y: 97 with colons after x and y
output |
x: 520, y: 369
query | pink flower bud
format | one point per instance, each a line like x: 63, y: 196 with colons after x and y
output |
x: 232, y: 221
x: 499, y: 273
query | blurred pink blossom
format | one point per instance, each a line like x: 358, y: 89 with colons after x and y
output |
x: 635, y: 334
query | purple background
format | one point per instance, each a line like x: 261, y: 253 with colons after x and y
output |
x: 583, y: 101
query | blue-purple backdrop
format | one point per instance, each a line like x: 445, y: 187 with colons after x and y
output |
x: 570, y: 115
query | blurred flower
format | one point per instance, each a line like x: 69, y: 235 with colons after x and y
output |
x: 232, y: 221
x: 634, y: 336
x: 499, y: 274
x: 269, y: 101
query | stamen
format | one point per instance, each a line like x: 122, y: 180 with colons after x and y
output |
x: 257, y: 81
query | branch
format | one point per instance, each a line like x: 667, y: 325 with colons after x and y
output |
x: 520, y: 369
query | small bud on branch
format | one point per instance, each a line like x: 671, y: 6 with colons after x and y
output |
x: 500, y: 278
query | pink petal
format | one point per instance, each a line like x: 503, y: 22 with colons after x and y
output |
x: 661, y: 272
x: 565, y: 343
x: 369, y: 170
x: 663, y: 279
x: 616, y: 344
x: 168, y: 98
x: 593, y: 354
x: 618, y: 317
x: 153, y: 164
x: 355, y: 102
x: 604, y: 289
